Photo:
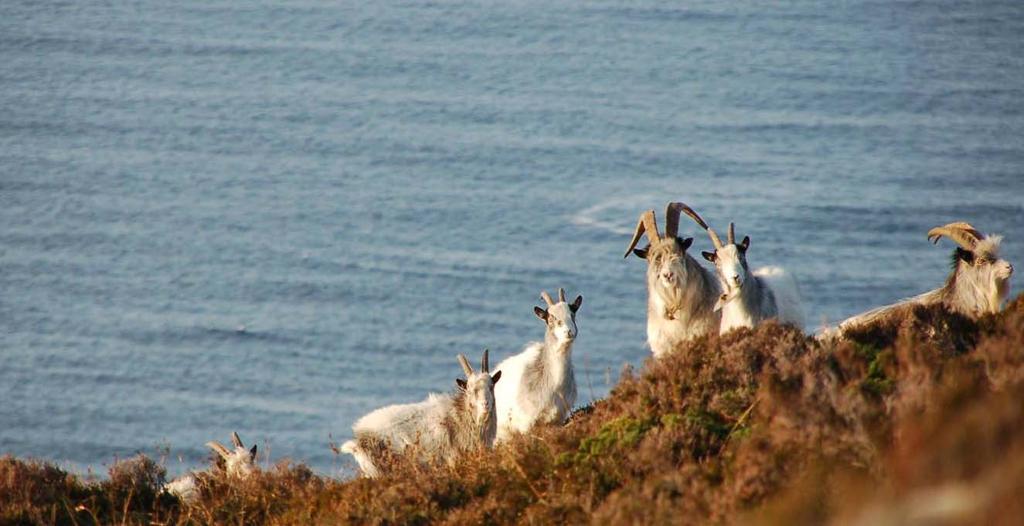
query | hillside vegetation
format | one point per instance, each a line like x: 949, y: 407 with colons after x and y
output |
x: 920, y: 421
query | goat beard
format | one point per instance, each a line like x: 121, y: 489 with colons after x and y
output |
x: 999, y: 293
x: 671, y: 296
x: 487, y: 428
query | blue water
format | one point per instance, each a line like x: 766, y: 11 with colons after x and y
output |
x: 275, y: 217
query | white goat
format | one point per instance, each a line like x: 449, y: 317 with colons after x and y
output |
x: 750, y: 297
x: 237, y: 464
x: 681, y: 294
x: 442, y: 427
x: 539, y: 386
x: 978, y: 284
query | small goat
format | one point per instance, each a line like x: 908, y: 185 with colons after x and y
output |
x: 978, y: 284
x: 750, y: 297
x: 681, y: 294
x: 237, y: 464
x: 539, y: 386
x: 442, y: 427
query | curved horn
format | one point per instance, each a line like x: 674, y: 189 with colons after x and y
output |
x: 962, y: 233
x: 547, y: 299
x: 693, y: 215
x: 672, y: 212
x: 465, y: 366
x: 219, y: 448
x: 647, y: 225
x: 732, y: 233
x: 484, y: 367
x: 236, y: 440
x: 561, y: 294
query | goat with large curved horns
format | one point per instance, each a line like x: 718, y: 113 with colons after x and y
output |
x: 681, y: 294
x: 978, y: 284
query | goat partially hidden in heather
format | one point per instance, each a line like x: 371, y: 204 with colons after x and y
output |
x: 440, y: 428
x: 236, y: 464
x: 750, y: 297
x: 681, y: 294
x: 978, y: 284
x: 539, y: 386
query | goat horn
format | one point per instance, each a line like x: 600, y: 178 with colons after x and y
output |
x: 672, y: 212
x: 465, y: 366
x: 714, y: 238
x: 732, y: 233
x: 963, y: 234
x: 547, y: 299
x: 647, y: 225
x: 236, y: 440
x: 219, y: 448
x: 561, y: 294
x: 484, y: 367
x: 693, y: 215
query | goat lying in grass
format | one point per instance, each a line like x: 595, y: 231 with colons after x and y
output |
x: 237, y: 464
x: 978, y: 284
x: 681, y: 294
x: 539, y: 386
x: 440, y: 428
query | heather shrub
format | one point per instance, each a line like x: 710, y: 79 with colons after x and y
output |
x: 916, y: 420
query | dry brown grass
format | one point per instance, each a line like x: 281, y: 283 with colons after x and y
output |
x: 920, y: 420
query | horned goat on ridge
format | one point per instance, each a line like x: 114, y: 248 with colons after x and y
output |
x: 750, y: 297
x: 681, y: 293
x: 539, y: 386
x: 441, y: 428
x: 237, y: 464
x: 978, y: 284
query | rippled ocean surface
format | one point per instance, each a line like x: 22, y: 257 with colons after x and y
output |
x: 275, y: 217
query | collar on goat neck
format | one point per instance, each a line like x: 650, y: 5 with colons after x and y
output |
x: 750, y: 290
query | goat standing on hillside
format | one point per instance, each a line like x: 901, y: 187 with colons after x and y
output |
x: 750, y: 297
x: 978, y: 284
x: 539, y: 386
x: 681, y: 293
x: 442, y: 427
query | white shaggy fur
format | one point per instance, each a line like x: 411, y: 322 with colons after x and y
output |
x: 237, y: 464
x: 978, y: 284
x: 539, y: 386
x: 681, y: 294
x: 750, y: 298
x: 440, y: 428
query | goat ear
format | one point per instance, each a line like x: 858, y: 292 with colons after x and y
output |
x: 252, y: 453
x: 745, y: 244
x: 965, y: 255
x: 640, y: 253
x: 541, y: 313
x: 461, y: 383
x: 576, y: 304
x: 710, y: 256
x: 495, y: 377
x: 684, y: 243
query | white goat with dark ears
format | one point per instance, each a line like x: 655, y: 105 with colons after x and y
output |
x: 539, y: 386
x: 440, y: 428
x: 681, y: 293
x: 750, y: 297
x: 978, y: 284
x: 237, y: 464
